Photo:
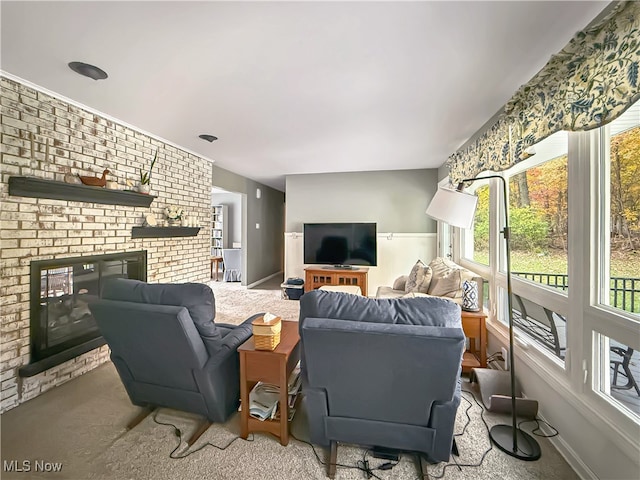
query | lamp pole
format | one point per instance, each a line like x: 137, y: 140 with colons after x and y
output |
x: 504, y: 436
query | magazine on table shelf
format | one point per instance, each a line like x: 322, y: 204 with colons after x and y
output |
x: 264, y: 397
x: 263, y: 400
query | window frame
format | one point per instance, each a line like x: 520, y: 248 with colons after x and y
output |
x: 586, y: 318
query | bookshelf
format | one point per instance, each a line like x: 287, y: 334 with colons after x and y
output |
x: 219, y: 229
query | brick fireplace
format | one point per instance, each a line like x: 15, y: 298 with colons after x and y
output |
x: 51, y: 138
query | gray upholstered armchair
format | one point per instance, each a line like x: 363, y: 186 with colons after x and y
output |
x: 167, y: 349
x: 383, y: 373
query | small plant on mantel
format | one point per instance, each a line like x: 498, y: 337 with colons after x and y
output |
x: 174, y: 213
x: 145, y: 177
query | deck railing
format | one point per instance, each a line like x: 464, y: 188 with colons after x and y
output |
x: 624, y: 292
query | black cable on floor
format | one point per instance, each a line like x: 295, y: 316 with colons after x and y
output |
x: 362, y: 465
x: 466, y: 412
x: 538, y: 429
x: 484, y: 455
x: 324, y: 464
x: 178, y: 433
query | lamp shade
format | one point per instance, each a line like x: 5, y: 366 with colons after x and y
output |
x: 453, y: 207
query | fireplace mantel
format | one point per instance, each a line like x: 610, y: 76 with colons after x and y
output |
x: 44, y: 188
x: 159, y: 232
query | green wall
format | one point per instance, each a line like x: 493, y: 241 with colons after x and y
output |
x: 394, y: 199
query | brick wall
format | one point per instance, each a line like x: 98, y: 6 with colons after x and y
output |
x: 81, y: 142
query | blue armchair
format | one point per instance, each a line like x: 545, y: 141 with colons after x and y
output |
x: 381, y: 373
x: 167, y: 349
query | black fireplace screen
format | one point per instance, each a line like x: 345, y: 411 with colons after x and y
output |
x: 61, y: 292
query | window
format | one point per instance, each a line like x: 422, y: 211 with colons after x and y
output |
x: 539, y: 214
x: 612, y: 323
x: 481, y: 244
x: 575, y: 237
x: 541, y: 324
x: 619, y: 373
x: 536, y: 324
x: 476, y: 240
x: 620, y: 214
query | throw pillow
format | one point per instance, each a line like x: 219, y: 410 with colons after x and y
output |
x: 419, y: 278
x: 447, y: 285
x: 400, y: 283
x: 441, y: 265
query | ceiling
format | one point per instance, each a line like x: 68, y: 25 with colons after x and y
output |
x: 294, y: 87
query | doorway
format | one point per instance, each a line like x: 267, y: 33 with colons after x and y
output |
x: 228, y: 230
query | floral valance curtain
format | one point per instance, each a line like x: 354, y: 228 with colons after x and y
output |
x: 591, y: 82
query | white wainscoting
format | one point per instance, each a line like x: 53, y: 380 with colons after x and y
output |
x: 397, y: 253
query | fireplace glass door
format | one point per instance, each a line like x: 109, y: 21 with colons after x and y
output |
x: 64, y: 289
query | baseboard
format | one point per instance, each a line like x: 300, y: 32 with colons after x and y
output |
x: 570, y: 456
x: 262, y: 280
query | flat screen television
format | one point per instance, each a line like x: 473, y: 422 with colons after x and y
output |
x: 340, y: 244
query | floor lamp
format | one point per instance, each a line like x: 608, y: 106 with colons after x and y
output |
x: 457, y: 208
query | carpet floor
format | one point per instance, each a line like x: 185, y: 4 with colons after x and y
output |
x: 235, y: 303
x: 81, y: 425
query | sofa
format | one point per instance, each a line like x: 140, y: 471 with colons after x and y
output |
x: 441, y: 278
x: 381, y: 372
x: 167, y: 348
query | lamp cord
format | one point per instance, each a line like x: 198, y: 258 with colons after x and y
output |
x: 484, y: 454
x: 178, y: 433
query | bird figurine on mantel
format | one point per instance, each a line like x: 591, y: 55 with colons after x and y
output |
x: 95, y: 181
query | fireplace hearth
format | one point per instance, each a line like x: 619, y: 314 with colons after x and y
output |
x: 61, y: 325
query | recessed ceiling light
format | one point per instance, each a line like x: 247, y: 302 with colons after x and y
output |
x: 87, y: 70
x: 208, y: 138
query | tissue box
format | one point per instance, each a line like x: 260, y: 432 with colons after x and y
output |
x: 266, y: 333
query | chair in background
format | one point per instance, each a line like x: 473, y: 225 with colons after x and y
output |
x: 625, y: 354
x: 216, y: 261
x: 232, y: 261
x: 168, y: 351
x: 540, y: 323
x: 381, y: 373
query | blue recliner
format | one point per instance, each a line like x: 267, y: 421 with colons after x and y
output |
x: 167, y: 349
x: 381, y: 373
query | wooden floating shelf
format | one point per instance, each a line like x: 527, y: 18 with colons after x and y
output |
x: 75, y: 192
x: 158, y: 232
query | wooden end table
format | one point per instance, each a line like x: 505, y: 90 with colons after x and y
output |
x: 269, y: 366
x: 475, y: 328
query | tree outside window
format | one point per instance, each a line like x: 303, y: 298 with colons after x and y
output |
x: 481, y: 244
x: 622, y: 287
x: 538, y: 216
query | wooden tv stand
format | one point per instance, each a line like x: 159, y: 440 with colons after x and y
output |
x: 316, y: 277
